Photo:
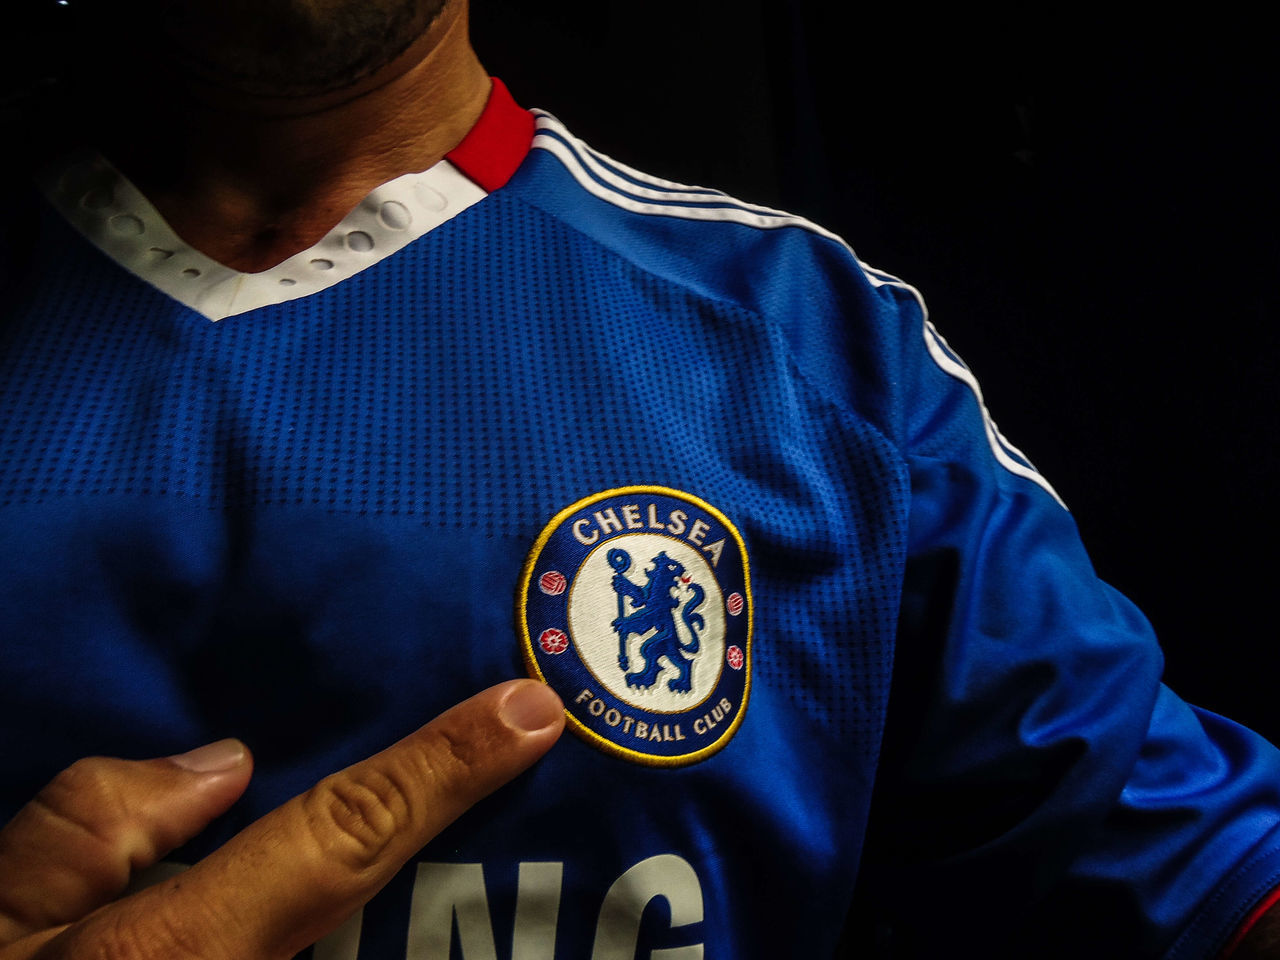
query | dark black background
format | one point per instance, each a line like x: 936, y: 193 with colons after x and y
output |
x: 1088, y: 207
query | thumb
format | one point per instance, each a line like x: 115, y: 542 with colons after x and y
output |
x: 75, y: 845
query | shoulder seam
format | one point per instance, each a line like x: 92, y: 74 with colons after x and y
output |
x: 1006, y: 454
x: 625, y: 187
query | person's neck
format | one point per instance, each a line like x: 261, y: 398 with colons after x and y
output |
x: 250, y: 183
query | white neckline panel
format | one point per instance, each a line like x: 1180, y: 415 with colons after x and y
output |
x: 114, y: 215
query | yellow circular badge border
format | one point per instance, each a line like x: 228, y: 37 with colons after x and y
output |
x: 531, y: 662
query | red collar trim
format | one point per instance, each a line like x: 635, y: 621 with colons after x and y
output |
x: 1266, y: 904
x: 498, y: 143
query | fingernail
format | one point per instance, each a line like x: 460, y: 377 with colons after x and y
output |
x: 531, y: 706
x: 212, y: 757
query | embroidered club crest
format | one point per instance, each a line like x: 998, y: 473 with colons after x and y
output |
x: 635, y: 606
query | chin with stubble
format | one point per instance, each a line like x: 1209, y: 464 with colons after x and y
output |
x: 286, y: 48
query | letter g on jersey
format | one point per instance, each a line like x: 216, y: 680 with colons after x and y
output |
x: 635, y: 606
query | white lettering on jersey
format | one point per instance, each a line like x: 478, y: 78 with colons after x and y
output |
x: 537, y: 909
x: 343, y: 943
x: 441, y: 892
x: 618, y: 931
x: 445, y: 892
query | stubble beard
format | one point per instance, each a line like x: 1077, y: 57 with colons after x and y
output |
x: 292, y: 48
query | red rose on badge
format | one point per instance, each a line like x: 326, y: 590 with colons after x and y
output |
x: 553, y: 641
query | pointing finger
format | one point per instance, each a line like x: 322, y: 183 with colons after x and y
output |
x: 293, y: 876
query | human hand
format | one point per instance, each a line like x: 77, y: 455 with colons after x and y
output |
x: 280, y: 884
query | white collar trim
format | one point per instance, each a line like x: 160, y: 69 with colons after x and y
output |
x: 112, y: 214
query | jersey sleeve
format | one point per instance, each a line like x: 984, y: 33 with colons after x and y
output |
x: 1040, y: 790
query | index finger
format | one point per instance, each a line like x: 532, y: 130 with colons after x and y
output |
x: 293, y: 876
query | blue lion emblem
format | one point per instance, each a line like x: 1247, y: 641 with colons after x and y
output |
x: 653, y: 608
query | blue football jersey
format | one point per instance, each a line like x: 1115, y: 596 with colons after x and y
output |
x: 829, y: 645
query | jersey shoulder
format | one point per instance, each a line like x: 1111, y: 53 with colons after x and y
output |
x: 696, y: 234
x: 793, y: 278
x: 862, y: 337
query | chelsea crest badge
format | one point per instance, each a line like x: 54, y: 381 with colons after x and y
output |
x: 635, y: 607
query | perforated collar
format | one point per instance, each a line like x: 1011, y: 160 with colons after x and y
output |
x: 110, y: 212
